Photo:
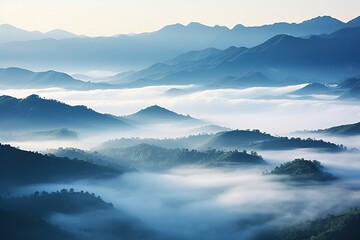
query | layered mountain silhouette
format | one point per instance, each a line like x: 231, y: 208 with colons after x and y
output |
x: 9, y: 33
x: 144, y: 49
x: 325, y: 57
x: 35, y: 113
x: 22, y: 78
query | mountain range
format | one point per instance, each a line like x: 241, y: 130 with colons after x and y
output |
x: 134, y: 51
x: 21, y: 78
x: 9, y: 33
x: 284, y: 58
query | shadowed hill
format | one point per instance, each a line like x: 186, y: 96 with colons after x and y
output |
x: 301, y: 169
x: 18, y: 167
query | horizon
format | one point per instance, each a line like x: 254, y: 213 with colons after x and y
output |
x: 99, y: 19
x: 178, y: 23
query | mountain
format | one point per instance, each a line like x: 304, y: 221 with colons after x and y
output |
x: 21, y: 168
x: 342, y: 130
x: 324, y: 57
x: 301, y: 169
x: 9, y: 33
x: 157, y: 114
x: 22, y: 78
x: 140, y: 50
x: 35, y: 113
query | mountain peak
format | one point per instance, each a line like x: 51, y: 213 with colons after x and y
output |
x: 159, y: 114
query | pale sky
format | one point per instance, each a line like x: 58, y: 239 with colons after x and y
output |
x: 109, y: 17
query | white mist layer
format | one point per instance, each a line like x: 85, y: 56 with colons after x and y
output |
x: 194, y: 203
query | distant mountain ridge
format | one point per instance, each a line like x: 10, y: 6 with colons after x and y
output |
x: 21, y: 78
x: 327, y: 57
x: 9, y: 33
x: 140, y: 50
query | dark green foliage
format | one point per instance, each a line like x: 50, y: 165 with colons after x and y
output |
x: 15, y: 226
x: 18, y: 167
x: 66, y: 201
x: 145, y: 155
x: 301, y: 169
x: 342, y: 227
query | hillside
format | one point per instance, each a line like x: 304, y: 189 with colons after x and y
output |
x: 19, y: 168
x: 157, y: 114
x: 344, y: 226
x: 301, y: 169
x: 17, y: 226
x: 36, y: 113
x: 44, y: 204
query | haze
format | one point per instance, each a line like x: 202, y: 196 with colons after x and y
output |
x: 112, y: 17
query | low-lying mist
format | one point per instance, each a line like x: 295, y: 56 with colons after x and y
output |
x: 264, y: 108
x: 211, y: 203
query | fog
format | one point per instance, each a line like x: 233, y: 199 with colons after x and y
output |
x: 212, y: 203
x: 264, y: 108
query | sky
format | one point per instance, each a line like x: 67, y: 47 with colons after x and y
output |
x: 109, y: 17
